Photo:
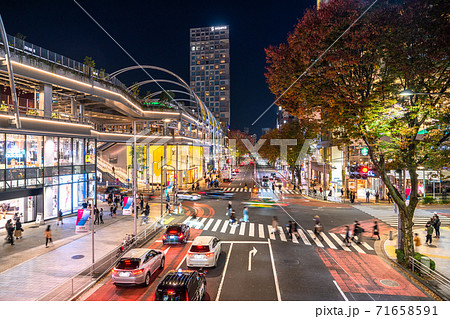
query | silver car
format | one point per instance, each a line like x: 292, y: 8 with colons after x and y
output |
x: 186, y: 195
x: 137, y: 266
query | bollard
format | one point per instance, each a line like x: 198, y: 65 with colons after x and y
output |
x: 391, y: 235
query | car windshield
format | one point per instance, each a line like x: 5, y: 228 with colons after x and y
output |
x: 128, y: 263
x: 199, y: 249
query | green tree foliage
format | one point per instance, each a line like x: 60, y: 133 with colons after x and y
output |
x: 353, y: 90
x: 89, y: 61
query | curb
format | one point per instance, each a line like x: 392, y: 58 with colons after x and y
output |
x: 412, y: 277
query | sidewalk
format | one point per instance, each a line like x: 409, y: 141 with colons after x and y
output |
x: 29, y: 271
x: 439, y: 250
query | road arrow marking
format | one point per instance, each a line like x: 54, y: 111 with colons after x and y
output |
x: 250, y: 253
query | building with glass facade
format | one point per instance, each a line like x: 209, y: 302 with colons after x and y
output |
x: 44, y: 174
x: 210, y: 69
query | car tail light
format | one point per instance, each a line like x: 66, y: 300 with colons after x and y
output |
x: 114, y: 271
x: 170, y: 292
x: 187, y: 296
x: 181, y: 235
x: 209, y: 255
x: 137, y: 272
x: 190, y: 254
x: 164, y: 236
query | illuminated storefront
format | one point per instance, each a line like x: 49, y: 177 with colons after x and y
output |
x: 44, y: 174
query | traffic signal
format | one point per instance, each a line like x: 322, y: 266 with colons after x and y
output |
x: 364, y: 170
x: 354, y: 172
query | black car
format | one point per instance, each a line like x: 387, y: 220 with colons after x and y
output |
x: 182, y: 285
x: 176, y: 234
x: 218, y: 194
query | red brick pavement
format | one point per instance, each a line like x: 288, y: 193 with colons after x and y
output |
x: 358, y: 273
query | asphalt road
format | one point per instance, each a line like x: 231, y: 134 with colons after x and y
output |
x: 258, y: 265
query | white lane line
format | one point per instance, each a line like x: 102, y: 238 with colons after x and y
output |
x: 329, y: 242
x: 242, y: 230
x: 251, y: 231
x: 243, y: 242
x: 261, y: 231
x: 224, y: 272
x: 275, y: 277
x: 233, y: 228
x: 224, y: 227
x: 216, y: 225
x: 208, y: 224
x: 340, y: 290
x: 281, y: 233
x: 339, y: 241
x: 187, y: 219
x: 227, y: 189
x: 271, y: 234
x: 304, y: 238
x: 233, y: 189
x: 294, y: 239
x: 354, y: 245
x: 313, y: 236
x: 367, y: 246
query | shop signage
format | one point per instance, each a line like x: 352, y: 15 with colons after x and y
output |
x: 82, y: 224
x: 127, y: 204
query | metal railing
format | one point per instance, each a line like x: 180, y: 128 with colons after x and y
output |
x: 434, y: 278
x: 90, y: 275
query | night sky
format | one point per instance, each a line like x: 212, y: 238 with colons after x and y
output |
x: 157, y: 33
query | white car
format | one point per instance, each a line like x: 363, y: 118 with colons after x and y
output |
x: 186, y: 195
x: 204, y: 252
x: 137, y: 266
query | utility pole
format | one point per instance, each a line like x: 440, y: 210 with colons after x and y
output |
x: 134, y: 178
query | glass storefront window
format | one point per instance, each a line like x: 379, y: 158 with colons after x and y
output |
x: 78, y: 195
x: 90, y: 151
x: 50, y: 151
x: 78, y: 151
x: 50, y: 201
x: 65, y: 151
x: 15, y: 151
x: 65, y: 198
x: 34, y: 151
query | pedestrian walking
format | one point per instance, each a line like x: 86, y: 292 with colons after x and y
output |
x: 417, y: 242
x: 233, y: 218
x: 48, y: 236
x: 244, y: 215
x: 342, y: 192
x: 111, y: 211
x: 367, y: 196
x: 96, y: 215
x: 429, y: 229
x: 275, y: 225
x: 114, y: 212
x: 9, y: 226
x: 293, y: 230
x: 101, y: 216
x: 355, y: 230
x: 376, y: 231
x: 389, y: 197
x: 347, y: 236
x: 377, y: 197
x: 273, y: 187
x: 437, y: 225
x: 230, y: 208
x: 317, y: 227
x: 18, y: 231
x: 60, y: 218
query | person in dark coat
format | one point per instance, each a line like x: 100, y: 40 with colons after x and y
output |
x: 18, y: 231
x: 376, y: 231
x: 96, y: 215
x: 437, y: 225
x: 9, y: 226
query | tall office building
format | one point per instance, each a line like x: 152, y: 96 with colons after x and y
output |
x: 210, y: 69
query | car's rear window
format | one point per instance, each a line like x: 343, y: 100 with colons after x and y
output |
x: 199, y: 249
x: 173, y: 230
x: 127, y: 263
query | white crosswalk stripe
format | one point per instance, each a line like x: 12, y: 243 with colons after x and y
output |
x: 339, y: 241
x: 261, y: 231
x: 271, y: 234
x: 208, y: 224
x: 216, y: 225
x: 313, y: 236
x: 242, y: 230
x: 251, y: 231
x: 224, y: 227
x: 281, y: 233
x: 328, y: 240
x: 303, y: 237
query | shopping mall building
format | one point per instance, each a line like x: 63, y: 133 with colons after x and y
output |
x: 73, y: 125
